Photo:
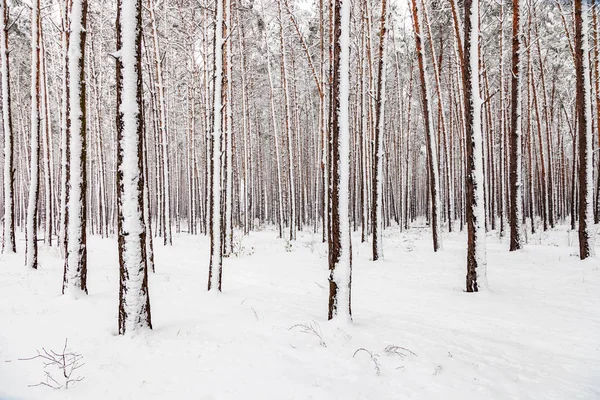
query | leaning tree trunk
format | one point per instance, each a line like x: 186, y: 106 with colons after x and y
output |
x: 475, y: 207
x: 340, y: 247
x: 8, y: 239
x: 75, y: 272
x: 134, y: 301
x: 584, y: 129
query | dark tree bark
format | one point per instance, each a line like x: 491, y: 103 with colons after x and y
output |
x: 75, y: 274
x: 134, y: 301
x: 584, y: 128
x: 515, y: 174
x: 377, y: 184
x: 475, y: 207
x: 8, y: 239
x: 340, y: 251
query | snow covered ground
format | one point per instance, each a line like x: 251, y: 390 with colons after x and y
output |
x: 534, y: 335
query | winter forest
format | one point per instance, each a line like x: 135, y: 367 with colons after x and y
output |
x: 307, y: 199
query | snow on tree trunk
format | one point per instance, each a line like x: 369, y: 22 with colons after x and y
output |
x: 475, y: 207
x: 376, y: 218
x: 287, y: 121
x: 31, y: 253
x: 340, y: 246
x: 228, y: 126
x: 216, y: 256
x: 516, y: 168
x: 432, y: 159
x: 8, y: 239
x: 64, y: 146
x: 75, y: 274
x: 584, y: 127
x: 163, y: 128
x: 276, y: 135
x: 134, y: 302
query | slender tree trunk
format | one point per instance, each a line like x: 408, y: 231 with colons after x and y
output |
x: 134, y: 301
x: 65, y: 132
x: 432, y: 163
x: 516, y: 185
x: 377, y: 185
x: 340, y: 247
x: 216, y: 255
x: 162, y: 123
x: 31, y: 255
x: 75, y: 274
x: 584, y: 129
x: 8, y: 238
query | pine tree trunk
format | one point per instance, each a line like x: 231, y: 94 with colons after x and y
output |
x: 8, y: 238
x: 516, y: 185
x: 75, y: 274
x: 340, y: 250
x: 216, y: 228
x: 134, y: 301
x: 432, y: 164
x: 475, y: 207
x: 377, y: 178
x: 584, y: 129
x: 31, y: 255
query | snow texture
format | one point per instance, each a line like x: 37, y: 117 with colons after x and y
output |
x: 533, y: 335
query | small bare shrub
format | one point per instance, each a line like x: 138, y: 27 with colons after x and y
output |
x: 59, y: 368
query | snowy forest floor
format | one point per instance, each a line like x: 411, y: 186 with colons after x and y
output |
x: 534, y: 335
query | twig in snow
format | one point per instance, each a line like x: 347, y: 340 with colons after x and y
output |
x: 374, y: 359
x: 399, y: 351
x: 311, y: 328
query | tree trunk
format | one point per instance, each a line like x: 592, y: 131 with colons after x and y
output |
x: 584, y: 129
x: 516, y: 185
x: 340, y: 250
x: 216, y: 255
x: 75, y: 274
x: 8, y: 239
x: 134, y: 301
x: 31, y: 255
